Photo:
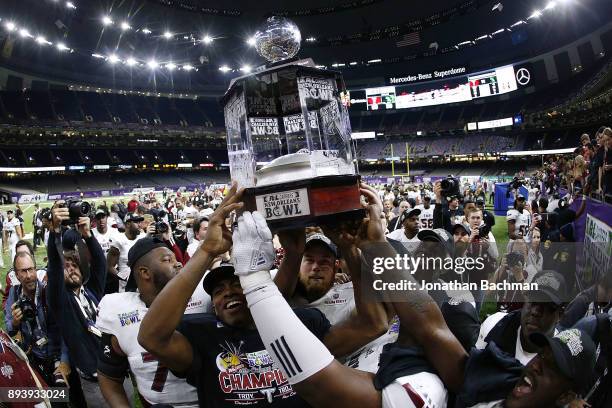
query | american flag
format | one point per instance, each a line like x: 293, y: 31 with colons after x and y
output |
x: 409, y: 39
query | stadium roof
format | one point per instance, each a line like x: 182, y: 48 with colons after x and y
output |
x: 182, y: 44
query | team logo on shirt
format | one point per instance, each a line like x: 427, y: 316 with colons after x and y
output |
x: 250, y: 376
x: 335, y: 300
x: 129, y: 318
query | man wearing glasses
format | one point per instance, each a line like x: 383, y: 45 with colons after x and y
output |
x: 28, y: 320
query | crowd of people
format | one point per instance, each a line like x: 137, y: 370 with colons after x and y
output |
x: 189, y: 300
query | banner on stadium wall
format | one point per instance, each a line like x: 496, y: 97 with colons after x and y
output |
x: 32, y: 198
x: 597, y: 248
x: 143, y: 190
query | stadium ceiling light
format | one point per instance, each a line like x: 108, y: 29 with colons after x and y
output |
x: 207, y: 39
x: 518, y: 23
x: 187, y: 67
x: 130, y: 62
x: 106, y: 20
x: 10, y: 26
x: 374, y: 61
x: 251, y: 41
x: 25, y: 33
x: 97, y: 56
x: 224, y: 68
x: 62, y: 47
x: 42, y: 40
x: 246, y: 69
x: 353, y: 63
x: 551, y: 5
x: 501, y: 30
x: 146, y: 31
x: 70, y: 5
x: 311, y: 39
x: 168, y: 35
x: 125, y: 26
x: 113, y: 59
x: 152, y: 64
x: 535, y: 14
x: 170, y: 66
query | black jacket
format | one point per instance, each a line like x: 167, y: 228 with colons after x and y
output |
x: 82, y: 345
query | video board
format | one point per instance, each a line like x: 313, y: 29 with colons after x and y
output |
x: 450, y: 90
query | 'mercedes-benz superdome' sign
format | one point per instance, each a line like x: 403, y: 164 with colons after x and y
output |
x: 427, y: 76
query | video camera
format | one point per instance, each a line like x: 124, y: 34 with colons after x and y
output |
x: 76, y: 209
x: 450, y: 186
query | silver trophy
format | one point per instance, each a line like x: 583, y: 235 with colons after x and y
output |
x: 289, y: 136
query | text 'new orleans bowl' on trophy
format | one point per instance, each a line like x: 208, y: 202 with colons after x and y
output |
x: 289, y: 136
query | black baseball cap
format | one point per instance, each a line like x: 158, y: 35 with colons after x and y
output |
x: 409, y: 213
x: 551, y: 284
x: 140, y: 248
x: 101, y: 213
x: 318, y: 237
x: 438, y: 235
x: 574, y: 354
x: 133, y: 217
x: 224, y: 270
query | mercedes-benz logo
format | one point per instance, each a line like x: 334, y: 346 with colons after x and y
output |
x: 523, y: 76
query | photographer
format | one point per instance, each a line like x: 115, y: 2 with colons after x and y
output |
x: 73, y: 297
x: 27, y: 317
x: 446, y: 210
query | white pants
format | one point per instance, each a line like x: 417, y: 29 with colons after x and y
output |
x: 12, y: 243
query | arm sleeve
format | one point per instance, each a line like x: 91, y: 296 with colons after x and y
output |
x: 97, y: 280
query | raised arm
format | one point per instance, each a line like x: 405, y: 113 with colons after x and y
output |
x: 97, y: 278
x: 55, y: 266
x: 369, y: 320
x: 158, y: 328
x: 421, y: 321
x: 293, y: 243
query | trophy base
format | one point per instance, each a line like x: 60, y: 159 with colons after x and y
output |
x: 302, y: 203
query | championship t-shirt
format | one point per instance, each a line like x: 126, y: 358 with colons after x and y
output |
x: 231, y: 366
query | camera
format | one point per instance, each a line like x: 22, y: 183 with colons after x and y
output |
x: 160, y: 226
x: 76, y: 209
x: 483, y: 231
x: 450, y: 186
x: 46, y: 214
x: 27, y: 309
x: 517, y: 182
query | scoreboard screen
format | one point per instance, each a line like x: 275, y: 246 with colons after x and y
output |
x: 450, y: 90
x: 495, y: 82
x: 381, y: 98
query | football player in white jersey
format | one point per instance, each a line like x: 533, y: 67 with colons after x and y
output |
x: 119, y: 320
x: 519, y: 221
x: 404, y: 380
x: 313, y: 287
x: 426, y: 216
